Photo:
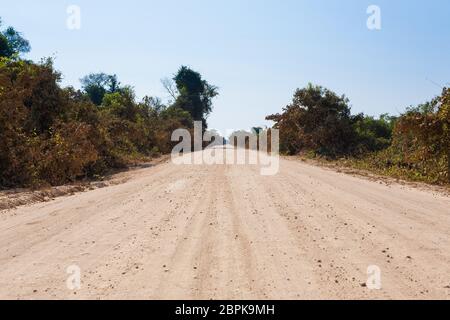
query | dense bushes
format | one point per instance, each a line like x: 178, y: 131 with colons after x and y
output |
x: 66, y: 153
x: 414, y: 145
x: 12, y: 43
x: 420, y: 146
x: 320, y: 121
x: 52, y: 135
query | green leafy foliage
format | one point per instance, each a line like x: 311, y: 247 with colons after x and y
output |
x: 372, y: 134
x: 12, y: 43
x: 97, y: 85
x: 320, y: 121
x: 194, y: 94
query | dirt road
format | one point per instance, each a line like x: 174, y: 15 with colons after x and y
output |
x: 227, y: 232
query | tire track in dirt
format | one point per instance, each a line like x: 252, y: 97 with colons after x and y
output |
x: 373, y: 243
x: 226, y: 232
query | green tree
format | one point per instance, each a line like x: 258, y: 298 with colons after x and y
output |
x: 257, y: 130
x: 373, y: 134
x: 122, y: 104
x: 97, y: 85
x: 12, y: 43
x: 194, y: 94
x: 317, y: 119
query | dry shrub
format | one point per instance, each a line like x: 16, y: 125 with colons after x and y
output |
x: 53, y: 135
x: 66, y: 154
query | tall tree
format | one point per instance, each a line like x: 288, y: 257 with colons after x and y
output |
x: 194, y: 94
x: 12, y: 43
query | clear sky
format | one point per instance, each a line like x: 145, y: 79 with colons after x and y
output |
x: 257, y: 52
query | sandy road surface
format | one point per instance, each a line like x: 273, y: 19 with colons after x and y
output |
x: 227, y: 232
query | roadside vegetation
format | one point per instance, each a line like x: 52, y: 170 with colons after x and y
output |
x: 52, y: 135
x: 414, y: 145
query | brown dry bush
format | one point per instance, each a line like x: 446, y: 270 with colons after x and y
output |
x: 421, y: 140
x: 414, y: 145
x: 53, y: 135
x: 66, y: 154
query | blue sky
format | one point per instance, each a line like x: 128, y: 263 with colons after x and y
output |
x: 256, y: 52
